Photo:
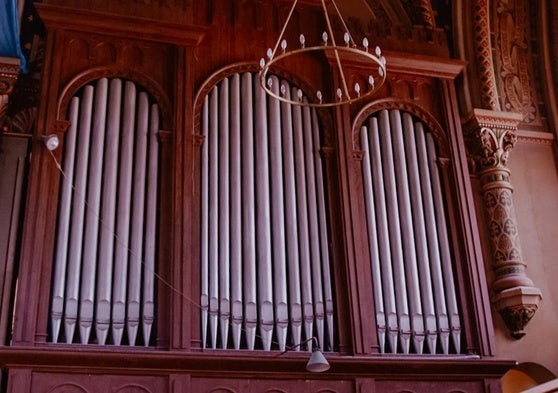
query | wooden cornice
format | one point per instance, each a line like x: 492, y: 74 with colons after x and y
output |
x: 430, y: 66
x: 120, y: 25
x: 227, y: 363
x: 407, y: 63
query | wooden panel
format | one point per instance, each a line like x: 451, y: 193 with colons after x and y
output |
x: 219, y: 385
x: 12, y: 166
x: 81, y: 383
x: 429, y: 386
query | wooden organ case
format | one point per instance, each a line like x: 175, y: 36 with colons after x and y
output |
x: 174, y: 53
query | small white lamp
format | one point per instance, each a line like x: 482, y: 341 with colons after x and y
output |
x: 51, y: 141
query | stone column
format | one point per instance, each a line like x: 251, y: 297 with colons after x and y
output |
x: 491, y: 136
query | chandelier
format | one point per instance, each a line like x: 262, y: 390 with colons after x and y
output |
x: 344, y: 91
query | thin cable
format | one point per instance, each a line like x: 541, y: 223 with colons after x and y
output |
x: 118, y: 240
x: 157, y: 275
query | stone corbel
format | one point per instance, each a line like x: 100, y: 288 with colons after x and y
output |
x: 9, y: 71
x: 491, y: 135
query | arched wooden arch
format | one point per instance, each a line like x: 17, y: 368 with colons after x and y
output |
x: 144, y: 81
x: 237, y: 68
x: 389, y: 103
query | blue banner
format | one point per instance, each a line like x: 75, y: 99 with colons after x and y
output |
x: 9, y: 32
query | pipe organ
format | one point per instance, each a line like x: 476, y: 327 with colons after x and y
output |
x: 104, y: 270
x: 414, y: 288
x: 265, y: 268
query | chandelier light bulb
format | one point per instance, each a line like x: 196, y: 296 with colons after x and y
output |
x: 339, y: 94
x: 371, y: 81
x: 325, y: 37
x: 365, y: 43
x: 357, y: 89
x: 269, y: 82
x: 347, y: 38
x: 378, y: 51
x: 283, y: 45
x: 319, y: 95
x: 299, y: 94
x: 269, y: 53
x: 262, y: 62
x: 302, y: 40
x: 283, y: 90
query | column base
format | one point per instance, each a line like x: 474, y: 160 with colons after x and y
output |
x: 517, y: 306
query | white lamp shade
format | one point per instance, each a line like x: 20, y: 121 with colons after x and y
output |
x: 317, y: 362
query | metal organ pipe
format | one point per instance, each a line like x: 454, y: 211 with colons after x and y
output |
x: 263, y: 230
x: 392, y: 318
x: 412, y: 266
x: 451, y: 298
x: 109, y: 256
x: 373, y: 242
x: 148, y: 317
x: 124, y: 211
x: 420, y: 235
x: 433, y: 245
x: 91, y: 236
x: 78, y: 216
x: 282, y: 280
x: 248, y: 211
x: 138, y: 218
x: 236, y: 214
x: 108, y: 217
x: 213, y: 213
x: 279, y: 217
x: 204, y: 237
x: 64, y: 215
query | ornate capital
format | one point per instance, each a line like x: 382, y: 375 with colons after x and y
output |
x: 491, y: 135
x: 9, y: 71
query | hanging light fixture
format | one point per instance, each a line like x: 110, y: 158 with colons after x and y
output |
x: 345, y: 92
x: 317, y: 362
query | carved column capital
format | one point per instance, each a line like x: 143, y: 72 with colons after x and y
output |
x: 9, y: 72
x: 491, y: 136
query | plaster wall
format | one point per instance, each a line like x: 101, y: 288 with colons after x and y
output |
x: 534, y: 176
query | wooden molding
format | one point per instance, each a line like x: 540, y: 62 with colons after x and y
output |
x: 120, y: 25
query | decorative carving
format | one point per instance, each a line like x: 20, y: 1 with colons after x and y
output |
x: 515, y: 75
x: 69, y: 388
x: 483, y: 51
x: 9, y: 70
x: 517, y: 317
x: 427, y: 13
x: 23, y: 122
x: 517, y: 306
x: 491, y: 137
x: 495, y: 145
x: 21, y: 113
